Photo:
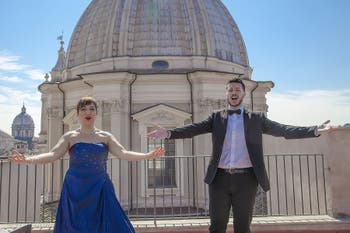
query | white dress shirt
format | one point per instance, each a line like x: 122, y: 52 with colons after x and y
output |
x: 234, y: 152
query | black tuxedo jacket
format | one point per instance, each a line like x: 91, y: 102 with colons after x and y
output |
x: 255, y: 125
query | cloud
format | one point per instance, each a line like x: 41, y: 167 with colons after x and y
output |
x: 35, y: 74
x: 3, y: 99
x: 11, y: 96
x: 10, y: 63
x: 310, y: 107
x: 11, y: 79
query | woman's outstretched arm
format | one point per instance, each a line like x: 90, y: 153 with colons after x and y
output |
x: 116, y: 149
x: 58, y: 151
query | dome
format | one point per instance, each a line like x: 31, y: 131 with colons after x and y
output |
x: 23, y: 119
x: 23, y: 128
x: 133, y: 28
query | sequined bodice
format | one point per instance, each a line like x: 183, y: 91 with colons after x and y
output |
x: 89, y: 157
x: 88, y: 203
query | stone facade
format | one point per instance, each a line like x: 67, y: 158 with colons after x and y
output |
x: 146, y: 64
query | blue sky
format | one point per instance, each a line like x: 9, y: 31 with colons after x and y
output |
x: 300, y: 45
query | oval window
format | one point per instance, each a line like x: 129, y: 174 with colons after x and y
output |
x: 160, y: 65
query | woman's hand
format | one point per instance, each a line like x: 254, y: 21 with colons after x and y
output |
x: 156, y: 153
x: 17, y: 157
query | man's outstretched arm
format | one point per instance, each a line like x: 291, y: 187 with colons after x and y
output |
x: 188, y: 131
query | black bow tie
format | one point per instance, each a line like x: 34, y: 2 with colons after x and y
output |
x: 231, y: 111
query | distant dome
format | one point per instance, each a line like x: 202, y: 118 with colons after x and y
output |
x: 23, y: 119
x: 134, y: 28
x: 23, y: 128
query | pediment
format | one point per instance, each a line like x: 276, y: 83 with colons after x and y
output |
x: 161, y: 114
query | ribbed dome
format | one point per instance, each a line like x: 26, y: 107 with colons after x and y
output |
x: 134, y: 28
x: 23, y: 119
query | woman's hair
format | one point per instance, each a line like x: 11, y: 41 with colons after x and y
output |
x: 87, y: 100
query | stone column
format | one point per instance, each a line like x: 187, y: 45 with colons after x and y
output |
x: 119, y: 120
x: 53, y: 109
x: 54, y: 125
x: 337, y: 154
x: 54, y: 173
x: 98, y: 121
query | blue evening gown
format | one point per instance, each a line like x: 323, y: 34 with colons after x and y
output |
x: 88, y: 203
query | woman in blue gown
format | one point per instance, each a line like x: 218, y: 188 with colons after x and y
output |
x: 88, y: 203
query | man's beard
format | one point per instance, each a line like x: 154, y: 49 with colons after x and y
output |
x: 237, y: 105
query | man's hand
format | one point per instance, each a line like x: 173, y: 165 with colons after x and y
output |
x: 326, y: 128
x: 158, y: 133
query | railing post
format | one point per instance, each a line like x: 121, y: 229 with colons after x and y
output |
x: 337, y: 154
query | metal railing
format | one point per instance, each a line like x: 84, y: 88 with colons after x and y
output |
x: 146, y: 189
x: 298, y: 184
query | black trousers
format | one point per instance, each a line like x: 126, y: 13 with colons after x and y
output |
x: 237, y: 191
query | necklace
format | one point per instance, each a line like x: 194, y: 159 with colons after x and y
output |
x: 88, y: 132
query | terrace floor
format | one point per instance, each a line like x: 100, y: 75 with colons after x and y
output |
x: 287, y: 224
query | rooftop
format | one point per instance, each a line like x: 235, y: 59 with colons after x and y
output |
x: 295, y: 224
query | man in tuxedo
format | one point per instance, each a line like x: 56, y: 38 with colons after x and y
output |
x: 237, y: 165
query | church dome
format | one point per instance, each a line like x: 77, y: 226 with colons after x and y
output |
x: 23, y: 119
x: 133, y: 28
x: 23, y: 128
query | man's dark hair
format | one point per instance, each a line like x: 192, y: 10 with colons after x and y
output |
x: 236, y: 80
